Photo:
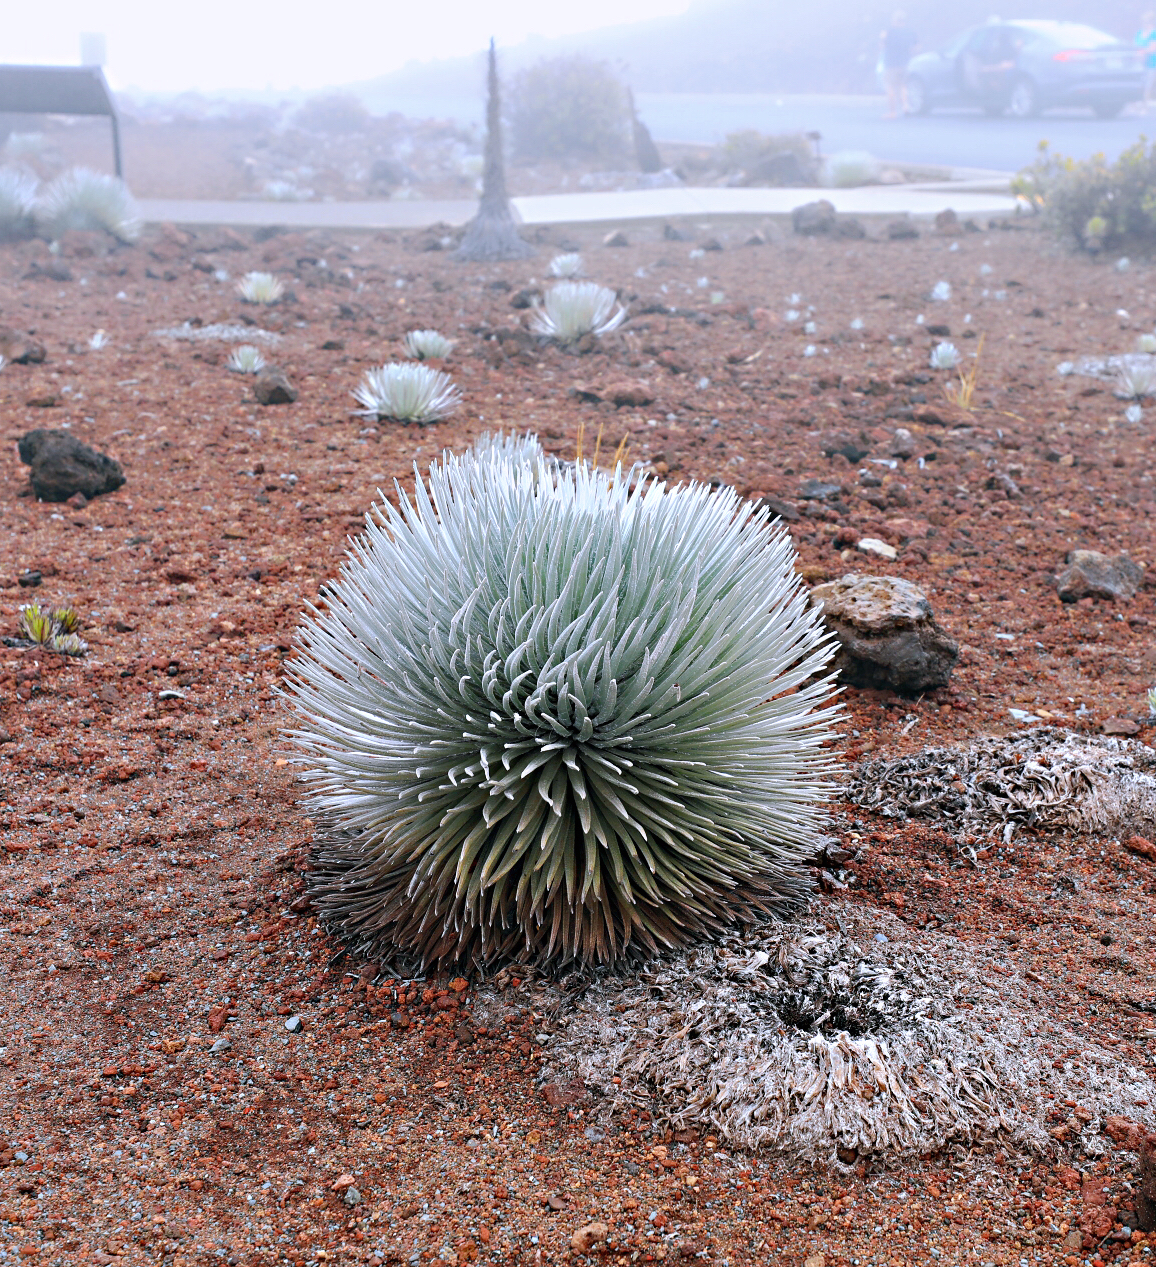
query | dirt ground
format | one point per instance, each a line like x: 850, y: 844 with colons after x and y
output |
x: 153, y: 848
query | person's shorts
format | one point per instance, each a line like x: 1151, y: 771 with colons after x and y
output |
x: 894, y: 76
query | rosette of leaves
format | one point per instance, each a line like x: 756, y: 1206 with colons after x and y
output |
x: 427, y: 345
x: 554, y: 714
x: 407, y: 392
x: 17, y: 202
x: 55, y: 629
x: 83, y: 199
x: 260, y: 288
x: 573, y: 309
x: 246, y: 359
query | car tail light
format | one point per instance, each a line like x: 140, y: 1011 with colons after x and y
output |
x: 1073, y: 55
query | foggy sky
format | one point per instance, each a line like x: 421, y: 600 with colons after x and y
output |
x: 220, y: 45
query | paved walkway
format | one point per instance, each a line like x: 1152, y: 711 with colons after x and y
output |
x: 595, y: 208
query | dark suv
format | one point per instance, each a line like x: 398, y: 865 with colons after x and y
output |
x: 1020, y: 68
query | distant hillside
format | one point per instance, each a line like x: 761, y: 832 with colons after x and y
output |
x: 745, y: 46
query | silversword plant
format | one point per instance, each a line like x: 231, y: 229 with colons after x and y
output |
x: 260, y: 288
x: 560, y: 714
x: 944, y: 356
x: 83, y: 199
x: 408, y: 392
x: 1136, y: 379
x: 568, y: 265
x: 573, y: 309
x: 17, y: 202
x: 1146, y: 343
x: 246, y: 359
x: 941, y: 292
x: 99, y: 340
x: 427, y: 345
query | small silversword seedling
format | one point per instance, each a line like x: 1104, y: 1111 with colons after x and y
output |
x: 407, y: 392
x: 1136, y: 379
x: 246, y: 359
x: 82, y: 199
x: 1146, y: 343
x: 260, y: 288
x: 944, y: 356
x: 53, y: 629
x: 558, y: 714
x: 573, y: 309
x: 427, y: 345
x: 941, y: 292
x: 567, y: 265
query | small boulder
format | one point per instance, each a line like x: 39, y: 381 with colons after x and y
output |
x: 848, y: 228
x: 629, y: 393
x: 814, y: 219
x: 63, y: 466
x: 20, y: 348
x: 271, y: 387
x: 616, y: 238
x: 1090, y: 574
x: 947, y: 223
x: 586, y: 1237
x: 901, y: 230
x: 888, y: 636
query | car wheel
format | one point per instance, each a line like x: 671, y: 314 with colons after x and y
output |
x: 1023, y: 101
x: 1107, y: 109
x: 915, y: 96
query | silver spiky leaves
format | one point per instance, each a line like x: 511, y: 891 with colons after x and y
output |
x: 83, y: 199
x: 260, y: 288
x: 573, y: 309
x: 246, y: 359
x: 427, y: 345
x: 407, y: 391
x: 556, y: 714
x: 17, y: 202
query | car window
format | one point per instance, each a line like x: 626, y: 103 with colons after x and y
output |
x: 958, y: 44
x: 1067, y: 34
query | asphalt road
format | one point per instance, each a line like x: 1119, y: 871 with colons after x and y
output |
x: 957, y: 138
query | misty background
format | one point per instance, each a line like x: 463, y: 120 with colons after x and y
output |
x: 699, y: 71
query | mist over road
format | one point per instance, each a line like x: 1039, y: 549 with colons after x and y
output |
x: 951, y: 138
x: 958, y: 138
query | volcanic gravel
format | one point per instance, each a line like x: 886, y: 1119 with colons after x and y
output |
x: 190, y: 1071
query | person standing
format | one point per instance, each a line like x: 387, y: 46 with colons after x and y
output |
x: 1146, y: 42
x: 898, y: 42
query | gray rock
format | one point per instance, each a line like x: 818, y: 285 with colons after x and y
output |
x: 814, y: 218
x: 352, y: 1196
x: 1090, y: 574
x: 63, y: 466
x: 901, y: 230
x: 888, y: 637
x: 294, y: 1025
x: 271, y: 387
x: 222, y: 1044
x: 849, y: 227
x: 616, y: 238
x: 818, y: 490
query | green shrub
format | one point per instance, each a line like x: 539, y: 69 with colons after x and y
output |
x: 748, y: 148
x: 1095, y: 204
x: 569, y: 107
